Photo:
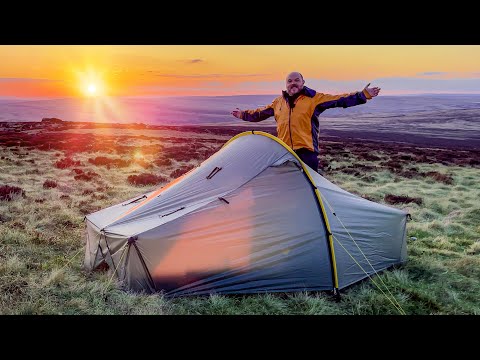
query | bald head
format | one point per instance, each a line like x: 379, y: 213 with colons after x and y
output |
x: 294, y: 74
x: 294, y: 83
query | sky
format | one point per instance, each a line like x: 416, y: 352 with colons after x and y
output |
x: 60, y: 71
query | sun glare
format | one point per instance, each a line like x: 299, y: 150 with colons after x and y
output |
x: 91, y: 89
x: 138, y: 155
x: 91, y: 83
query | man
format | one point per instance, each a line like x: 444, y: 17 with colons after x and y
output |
x: 296, y: 112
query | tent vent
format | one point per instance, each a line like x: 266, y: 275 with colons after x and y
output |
x: 131, y: 202
x: 221, y: 198
x: 170, y: 213
x: 214, y: 172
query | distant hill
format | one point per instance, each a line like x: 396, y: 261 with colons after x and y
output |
x: 207, y: 109
x: 444, y: 118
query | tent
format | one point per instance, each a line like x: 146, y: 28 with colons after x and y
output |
x: 251, y: 218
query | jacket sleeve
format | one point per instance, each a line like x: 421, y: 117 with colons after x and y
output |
x: 258, y: 114
x: 327, y: 101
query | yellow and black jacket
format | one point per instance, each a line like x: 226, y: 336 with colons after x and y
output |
x: 297, y: 126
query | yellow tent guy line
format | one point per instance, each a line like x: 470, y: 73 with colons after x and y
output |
x: 116, y: 267
x: 319, y: 198
x: 73, y: 257
x: 397, y: 306
x: 358, y: 247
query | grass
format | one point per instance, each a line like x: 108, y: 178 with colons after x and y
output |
x: 42, y: 236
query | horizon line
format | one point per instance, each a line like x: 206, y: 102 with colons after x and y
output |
x: 210, y: 96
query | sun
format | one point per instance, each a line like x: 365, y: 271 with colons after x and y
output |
x: 91, y: 89
x: 91, y: 83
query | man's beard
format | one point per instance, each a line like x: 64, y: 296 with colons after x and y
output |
x: 290, y: 91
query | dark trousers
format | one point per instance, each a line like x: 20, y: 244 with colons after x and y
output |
x: 308, y: 157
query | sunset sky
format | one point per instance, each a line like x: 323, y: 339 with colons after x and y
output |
x: 60, y: 71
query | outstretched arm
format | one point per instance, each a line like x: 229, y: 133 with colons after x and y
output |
x: 327, y: 101
x: 254, y: 115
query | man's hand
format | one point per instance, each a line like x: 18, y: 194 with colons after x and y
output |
x: 237, y: 113
x: 372, y: 91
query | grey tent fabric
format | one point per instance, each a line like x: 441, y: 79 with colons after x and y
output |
x: 367, y: 236
x: 247, y: 220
